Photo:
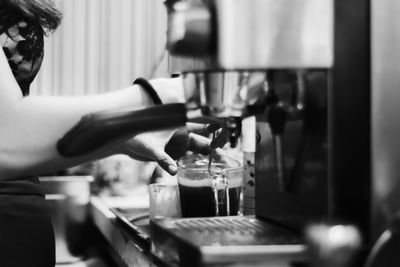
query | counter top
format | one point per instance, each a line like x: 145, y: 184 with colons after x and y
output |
x: 133, y: 248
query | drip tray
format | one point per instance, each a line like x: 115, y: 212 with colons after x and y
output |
x: 214, y: 240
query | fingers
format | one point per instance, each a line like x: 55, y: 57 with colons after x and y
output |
x: 197, y: 128
x: 166, y: 162
x: 178, y: 144
x: 162, y: 158
x: 203, y: 129
x: 199, y: 144
x: 138, y: 157
x: 195, y: 142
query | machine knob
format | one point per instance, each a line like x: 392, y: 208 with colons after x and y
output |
x: 190, y: 29
x: 333, y: 245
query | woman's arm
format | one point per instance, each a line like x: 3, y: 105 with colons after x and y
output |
x: 31, y: 126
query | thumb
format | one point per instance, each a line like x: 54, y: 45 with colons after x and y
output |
x: 166, y: 162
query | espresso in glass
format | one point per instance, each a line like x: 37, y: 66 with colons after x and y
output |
x: 206, y: 194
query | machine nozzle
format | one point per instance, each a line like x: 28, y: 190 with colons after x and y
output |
x: 233, y: 130
x: 230, y: 132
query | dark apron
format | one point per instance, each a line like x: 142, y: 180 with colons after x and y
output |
x: 26, y: 231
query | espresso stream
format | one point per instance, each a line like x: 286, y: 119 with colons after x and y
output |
x: 220, y: 186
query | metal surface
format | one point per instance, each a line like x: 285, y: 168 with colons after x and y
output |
x: 328, y: 150
x: 268, y: 34
x: 223, y: 94
x: 137, y: 220
x: 190, y: 29
x: 131, y: 247
x: 226, y: 240
x: 302, y: 196
x: 333, y: 245
x: 385, y: 112
x: 274, y: 34
x: 385, y: 252
x: 349, y: 117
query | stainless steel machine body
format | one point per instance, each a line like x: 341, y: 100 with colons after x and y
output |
x: 257, y: 34
x: 313, y: 152
x: 385, y: 112
x: 385, y: 131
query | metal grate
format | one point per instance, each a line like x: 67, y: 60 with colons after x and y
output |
x: 232, y: 225
x: 235, y: 230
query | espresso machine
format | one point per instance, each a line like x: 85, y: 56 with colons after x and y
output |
x: 321, y: 78
x: 302, y: 68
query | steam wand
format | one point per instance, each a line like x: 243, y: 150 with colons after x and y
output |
x: 277, y: 119
x: 216, y: 176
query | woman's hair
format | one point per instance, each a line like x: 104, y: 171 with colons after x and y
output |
x: 40, y: 11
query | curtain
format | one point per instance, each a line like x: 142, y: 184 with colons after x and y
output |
x: 102, y: 45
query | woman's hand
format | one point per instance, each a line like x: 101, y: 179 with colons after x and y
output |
x: 166, y: 146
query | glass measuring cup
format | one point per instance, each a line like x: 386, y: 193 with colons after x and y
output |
x: 206, y: 194
x: 164, y: 201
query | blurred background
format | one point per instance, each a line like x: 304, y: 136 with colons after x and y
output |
x: 102, y: 45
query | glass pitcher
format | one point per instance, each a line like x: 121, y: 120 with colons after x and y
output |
x: 207, y: 191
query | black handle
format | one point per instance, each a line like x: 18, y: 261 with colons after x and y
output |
x: 98, y: 129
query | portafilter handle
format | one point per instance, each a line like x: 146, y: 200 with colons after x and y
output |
x: 99, y: 129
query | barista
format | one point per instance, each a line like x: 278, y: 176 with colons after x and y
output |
x: 30, y: 127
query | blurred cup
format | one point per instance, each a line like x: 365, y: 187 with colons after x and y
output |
x: 164, y: 201
x: 205, y: 193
